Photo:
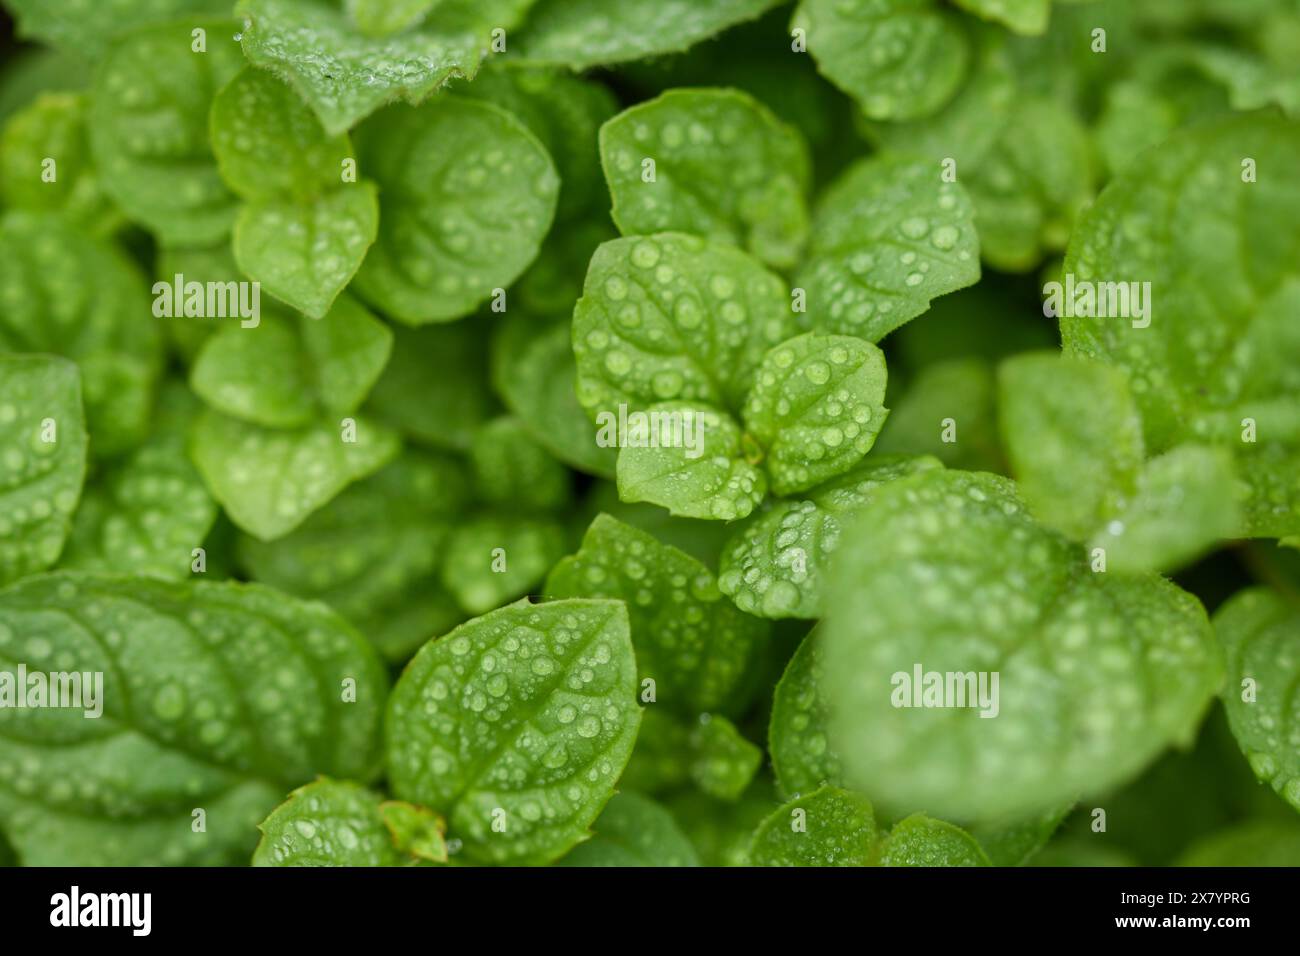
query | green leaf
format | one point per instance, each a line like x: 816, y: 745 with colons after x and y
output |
x: 345, y: 76
x: 42, y: 460
x: 633, y: 830
x: 236, y: 693
x: 306, y: 253
x: 724, y: 761
x: 146, y: 513
x: 1030, y: 188
x: 149, y: 129
x: 899, y: 59
x: 1015, y: 841
x: 494, y: 558
x: 511, y: 470
x: 1028, y: 17
x: 672, y: 317
x: 816, y: 407
x: 524, y: 718
x: 1073, y: 434
x: 1253, y: 843
x: 327, y: 823
x: 202, y: 264
x: 828, y: 827
x: 534, y: 371
x: 435, y: 387
x: 369, y: 549
x: 90, y: 29
x: 270, y: 480
x: 1185, y: 501
x: 1219, y: 355
x: 690, y: 640
x: 797, y: 735
x: 256, y: 374
x: 1097, y: 673
x: 53, y: 129
x: 66, y: 293
x: 282, y: 371
x: 584, y: 33
x: 722, y: 831
x: 416, y: 831
x: 1085, y: 475
x: 948, y: 411
x: 921, y: 841
x: 467, y: 194
x: 269, y: 145
x: 694, y: 138
x: 378, y: 18
x: 692, y: 461
x: 565, y: 113
x: 889, y: 235
x: 775, y: 565
x: 1260, y: 633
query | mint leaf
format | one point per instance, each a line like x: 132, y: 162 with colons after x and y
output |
x: 1027, y: 17
x: 467, y: 194
x: 90, y: 29
x: 282, y: 371
x: 327, y: 823
x: 828, y: 827
x: 725, y: 762
x: 565, y: 113
x: 42, y: 460
x: 1218, y: 350
x: 534, y: 372
x: 522, y: 718
x: 672, y: 317
x: 51, y: 128
x: 816, y: 407
x: 888, y: 236
x: 711, y: 479
x: 373, y: 549
x: 494, y: 558
x: 269, y: 145
x: 921, y: 841
x: 1253, y: 843
x: 66, y: 293
x: 1097, y: 673
x: 149, y: 129
x: 203, y: 264
x: 147, y: 512
x: 797, y: 735
x: 1259, y: 631
x: 899, y: 59
x: 379, y: 18
x: 344, y: 75
x: 633, y: 830
x: 1069, y: 465
x: 584, y: 33
x: 269, y: 481
x: 693, y: 137
x: 188, y: 735
x: 722, y: 832
x: 434, y: 389
x: 510, y: 469
x: 775, y: 564
x: 1015, y: 841
x: 1185, y: 500
x: 306, y: 253
x: 690, y: 641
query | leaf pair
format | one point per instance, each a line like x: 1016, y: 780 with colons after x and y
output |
x: 1074, y: 436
